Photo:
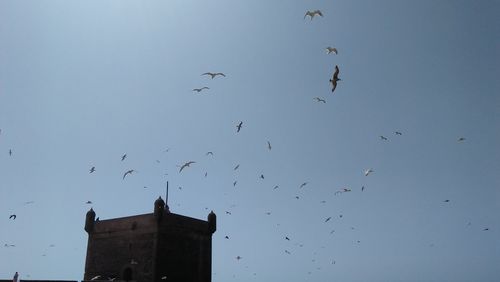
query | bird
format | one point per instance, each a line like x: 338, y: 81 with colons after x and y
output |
x: 239, y: 126
x: 200, y: 89
x: 328, y: 218
x: 237, y: 166
x: 262, y: 176
x: 313, y: 13
x: 133, y: 261
x: 88, y: 202
x: 12, y: 216
x: 269, y: 145
x: 486, y: 229
x: 275, y: 187
x: 303, y: 184
x: 124, y: 157
x: 227, y: 237
x: 446, y: 201
x: 268, y: 213
x: 214, y: 74
x: 206, y: 173
x: 186, y: 165
x: 383, y: 138
x: 238, y: 257
x: 286, y: 251
x: 128, y: 172
x: 331, y: 50
x: 320, y: 100
x: 362, y: 188
x: 234, y: 183
x: 92, y: 169
x: 461, y: 139
x: 228, y: 212
x: 209, y: 153
x: 286, y: 238
x: 164, y: 278
x: 368, y: 171
x: 335, y: 78
x: 398, y: 133
x: 10, y: 152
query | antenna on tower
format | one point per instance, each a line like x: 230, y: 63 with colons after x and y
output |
x: 166, y: 195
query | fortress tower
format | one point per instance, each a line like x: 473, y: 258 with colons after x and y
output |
x: 156, y: 247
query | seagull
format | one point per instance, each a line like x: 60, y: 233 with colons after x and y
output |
x: 237, y: 166
x: 368, y: 171
x: 13, y: 216
x: 124, y: 157
x: 313, y: 13
x: 262, y: 176
x: 362, y: 188
x: 209, y: 153
x: 269, y: 145
x: 88, y: 202
x: 383, y: 137
x: 326, y: 220
x: 234, y: 183
x: 239, y: 126
x: 276, y: 187
x: 486, y: 229
x: 303, y: 184
x: 95, y: 277
x: 128, y: 172
x: 461, y: 139
x: 10, y: 152
x: 320, y: 100
x: 286, y: 251
x: 446, y: 201
x: 286, y: 238
x: 227, y: 237
x: 200, y: 89
x: 335, y: 78
x: 238, y: 257
x: 228, y: 212
x: 331, y: 49
x: 186, y: 165
x: 213, y: 75
x: 133, y: 261
x: 92, y: 169
x: 398, y: 133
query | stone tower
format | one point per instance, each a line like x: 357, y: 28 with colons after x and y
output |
x: 156, y: 247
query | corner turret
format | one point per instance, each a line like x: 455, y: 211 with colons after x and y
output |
x: 89, y: 221
x: 159, y: 209
x: 212, y: 222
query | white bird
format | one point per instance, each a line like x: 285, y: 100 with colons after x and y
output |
x: 313, y: 13
x: 95, y: 277
x: 214, y: 74
x: 331, y: 49
x: 368, y: 171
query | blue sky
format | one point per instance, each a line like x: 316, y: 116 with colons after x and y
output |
x: 84, y: 82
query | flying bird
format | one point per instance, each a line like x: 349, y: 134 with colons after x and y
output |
x: 368, y: 171
x: 262, y: 176
x: 214, y: 74
x: 209, y: 153
x: 320, y: 100
x: 95, y: 277
x: 286, y: 238
x: 303, y: 184
x: 128, y: 172
x: 362, y: 188
x: 234, y: 183
x: 10, y: 152
x: 328, y: 218
x: 286, y: 251
x: 237, y: 166
x: 12, y: 216
x: 227, y: 237
x: 276, y: 187
x: 239, y: 126
x: 269, y: 145
x: 446, y: 201
x: 238, y: 258
x: 228, y: 212
x: 331, y: 50
x: 124, y: 157
x: 486, y: 229
x: 186, y: 165
x: 313, y: 13
x: 200, y: 89
x: 92, y: 169
x: 88, y: 202
x: 335, y: 78
x: 461, y: 139
x: 398, y: 133
x: 383, y: 138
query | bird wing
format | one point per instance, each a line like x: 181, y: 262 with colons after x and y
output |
x: 219, y: 73
x: 318, y: 12
x: 207, y: 73
x: 336, y: 73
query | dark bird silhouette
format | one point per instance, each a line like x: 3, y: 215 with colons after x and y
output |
x: 88, y: 202
x: 228, y: 212
x: 238, y: 257
x: 227, y: 237
x: 320, y: 100
x: 269, y: 145
x: 398, y: 133
x: 262, y: 176
x: 286, y: 238
x: 10, y: 152
x: 209, y: 153
x: 214, y: 74
x: 128, y: 172
x: 461, y: 139
x: 335, y: 78
x: 362, y: 188
x: 186, y: 165
x: 303, y: 184
x: 287, y: 252
x: 236, y: 167
x: 92, y: 169
x: 234, y: 183
x: 383, y: 137
x: 13, y: 216
x: 486, y: 229
x: 328, y: 218
x: 276, y: 187
x: 200, y: 89
x: 446, y: 201
x: 313, y: 13
x: 124, y: 157
x: 239, y: 126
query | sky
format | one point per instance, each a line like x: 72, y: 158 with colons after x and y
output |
x: 84, y: 82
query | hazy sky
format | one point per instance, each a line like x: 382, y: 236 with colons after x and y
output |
x: 84, y: 82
